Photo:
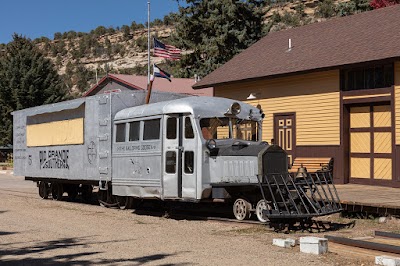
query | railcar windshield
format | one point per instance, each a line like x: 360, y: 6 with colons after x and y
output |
x: 226, y: 128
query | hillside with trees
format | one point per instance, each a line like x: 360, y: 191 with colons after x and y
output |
x: 210, y: 32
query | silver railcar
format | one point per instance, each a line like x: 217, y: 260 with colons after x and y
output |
x: 188, y: 149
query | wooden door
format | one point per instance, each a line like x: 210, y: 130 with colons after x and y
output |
x: 285, y: 134
x: 371, y: 142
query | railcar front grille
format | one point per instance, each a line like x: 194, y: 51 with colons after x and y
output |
x: 274, y: 162
x: 288, y: 196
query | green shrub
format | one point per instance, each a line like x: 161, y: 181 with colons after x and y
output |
x: 291, y: 19
x: 141, y: 43
x: 326, y: 9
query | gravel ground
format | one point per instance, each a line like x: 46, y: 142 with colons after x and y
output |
x: 45, y: 232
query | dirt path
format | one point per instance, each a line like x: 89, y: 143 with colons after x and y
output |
x: 45, y: 232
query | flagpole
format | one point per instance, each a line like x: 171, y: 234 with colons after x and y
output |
x: 148, y: 42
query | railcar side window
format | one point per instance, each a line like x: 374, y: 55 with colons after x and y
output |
x: 189, y: 134
x: 170, y: 164
x: 189, y: 162
x: 171, y: 128
x: 215, y: 128
x: 120, y: 134
x: 221, y: 128
x: 151, y: 129
x: 134, y: 131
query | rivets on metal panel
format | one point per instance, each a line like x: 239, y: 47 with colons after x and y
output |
x: 103, y: 137
x: 103, y: 122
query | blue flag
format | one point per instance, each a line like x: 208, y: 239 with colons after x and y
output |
x: 158, y: 72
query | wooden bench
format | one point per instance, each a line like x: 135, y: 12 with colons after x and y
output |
x: 312, y: 164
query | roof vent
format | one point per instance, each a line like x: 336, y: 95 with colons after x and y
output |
x: 290, y: 45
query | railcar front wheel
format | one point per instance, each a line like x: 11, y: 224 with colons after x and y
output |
x: 260, y: 207
x: 241, y: 209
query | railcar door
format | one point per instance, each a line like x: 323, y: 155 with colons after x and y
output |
x: 179, y: 169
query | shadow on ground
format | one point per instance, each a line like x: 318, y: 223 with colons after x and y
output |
x: 312, y: 226
x: 6, y: 233
x: 36, y: 254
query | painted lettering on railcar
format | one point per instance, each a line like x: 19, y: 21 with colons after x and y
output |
x: 54, y: 159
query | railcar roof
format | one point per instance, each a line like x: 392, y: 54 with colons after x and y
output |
x: 203, y: 106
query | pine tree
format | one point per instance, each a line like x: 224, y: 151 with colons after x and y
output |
x: 216, y: 30
x: 126, y: 32
x: 27, y: 79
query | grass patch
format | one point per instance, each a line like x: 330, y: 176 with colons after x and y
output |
x: 251, y: 230
x: 140, y: 222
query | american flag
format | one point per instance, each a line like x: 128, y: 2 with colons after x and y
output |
x: 166, y: 51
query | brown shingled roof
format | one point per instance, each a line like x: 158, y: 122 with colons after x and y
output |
x: 369, y: 36
x: 177, y: 85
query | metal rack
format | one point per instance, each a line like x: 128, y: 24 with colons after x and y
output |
x: 299, y: 196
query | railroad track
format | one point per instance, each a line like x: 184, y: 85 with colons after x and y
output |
x: 382, y: 243
x: 176, y: 214
x: 205, y: 213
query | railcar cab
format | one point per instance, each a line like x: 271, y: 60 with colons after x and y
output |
x: 162, y: 150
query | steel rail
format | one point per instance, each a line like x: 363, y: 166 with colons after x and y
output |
x: 364, y: 244
x: 387, y: 234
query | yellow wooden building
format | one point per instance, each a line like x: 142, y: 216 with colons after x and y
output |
x: 329, y: 89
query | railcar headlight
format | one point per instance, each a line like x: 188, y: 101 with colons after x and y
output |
x: 235, y: 108
x: 211, y: 144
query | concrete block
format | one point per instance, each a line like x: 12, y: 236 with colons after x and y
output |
x: 383, y: 220
x: 284, y: 243
x: 387, y: 261
x: 313, y: 245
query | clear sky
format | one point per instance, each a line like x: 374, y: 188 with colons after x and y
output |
x: 36, y: 18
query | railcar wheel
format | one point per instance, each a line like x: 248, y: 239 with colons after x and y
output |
x: 57, y: 191
x: 43, y: 190
x: 124, y: 203
x: 241, y: 209
x: 102, y: 197
x: 262, y: 205
x: 72, y: 193
x: 87, y: 193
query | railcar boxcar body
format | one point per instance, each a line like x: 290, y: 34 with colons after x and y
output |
x: 174, y: 149
x: 71, y: 140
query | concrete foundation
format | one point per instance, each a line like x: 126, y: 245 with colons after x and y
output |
x: 284, y: 243
x: 387, y: 261
x: 313, y: 245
